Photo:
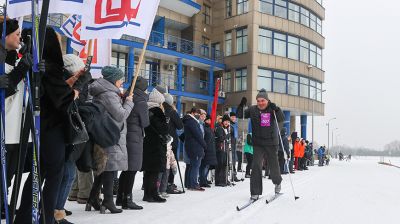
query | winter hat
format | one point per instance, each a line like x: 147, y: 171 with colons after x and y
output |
x: 208, y: 117
x: 231, y: 114
x: 226, y: 118
x: 161, y: 89
x: 262, y: 94
x: 141, y: 83
x: 73, y: 63
x: 112, y: 74
x: 202, y: 111
x: 169, y: 99
x: 11, y: 26
x: 156, y: 97
x: 283, y: 131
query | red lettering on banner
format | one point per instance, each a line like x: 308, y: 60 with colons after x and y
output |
x: 115, y: 14
x: 84, y: 54
x: 76, y: 35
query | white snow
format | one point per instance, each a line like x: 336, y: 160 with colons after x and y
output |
x: 360, y: 191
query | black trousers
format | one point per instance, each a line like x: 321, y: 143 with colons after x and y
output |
x: 187, y: 176
x: 239, y: 156
x: 249, y: 158
x: 281, y: 159
x: 171, y: 176
x: 150, y: 184
x: 271, y: 154
x: 52, y: 159
x: 126, y: 181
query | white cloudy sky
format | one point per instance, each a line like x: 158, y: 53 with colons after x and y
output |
x: 362, y: 72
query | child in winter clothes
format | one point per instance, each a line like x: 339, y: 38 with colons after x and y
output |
x: 171, y: 165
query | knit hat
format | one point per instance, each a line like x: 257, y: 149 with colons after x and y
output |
x: 169, y: 99
x: 156, y: 97
x: 112, y: 74
x: 262, y: 94
x: 11, y: 26
x: 231, y: 114
x: 161, y: 89
x: 73, y: 63
x: 202, y: 111
x: 141, y: 83
x: 226, y: 118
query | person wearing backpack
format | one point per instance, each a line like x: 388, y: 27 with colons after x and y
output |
x: 105, y: 91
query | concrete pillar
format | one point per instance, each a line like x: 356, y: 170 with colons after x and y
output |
x: 210, y: 88
x: 286, y: 123
x: 292, y: 124
x: 131, y: 64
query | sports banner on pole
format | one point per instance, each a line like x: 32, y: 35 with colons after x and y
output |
x: 101, y: 48
x: 110, y: 19
x: 18, y: 8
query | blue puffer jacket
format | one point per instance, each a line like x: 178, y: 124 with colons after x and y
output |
x: 194, y: 141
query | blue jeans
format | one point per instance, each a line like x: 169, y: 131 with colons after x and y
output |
x: 66, y: 184
x: 203, y: 174
x: 194, y: 172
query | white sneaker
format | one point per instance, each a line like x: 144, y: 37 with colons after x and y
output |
x: 254, y: 197
x: 278, y: 188
x: 164, y: 195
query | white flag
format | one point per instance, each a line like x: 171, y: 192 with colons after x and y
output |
x: 113, y: 18
x: 101, y: 52
x: 18, y: 8
x: 72, y: 29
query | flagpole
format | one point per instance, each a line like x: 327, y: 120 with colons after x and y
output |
x: 139, y: 66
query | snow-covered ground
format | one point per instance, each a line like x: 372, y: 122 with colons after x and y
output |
x: 360, y: 191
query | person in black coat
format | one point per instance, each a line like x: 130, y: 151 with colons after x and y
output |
x: 210, y: 157
x: 154, y: 147
x: 281, y: 154
x: 55, y: 99
x: 174, y: 123
x: 194, y: 146
x: 265, y: 140
x: 222, y: 143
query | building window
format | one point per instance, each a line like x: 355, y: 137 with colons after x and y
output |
x: 227, y: 82
x: 280, y: 44
x: 242, y: 6
x: 313, y: 21
x: 304, y: 51
x: 207, y: 14
x: 313, y: 55
x: 241, y: 40
x: 228, y: 7
x: 265, y: 41
x: 279, y: 83
x: 319, y: 58
x: 319, y: 91
x: 228, y: 43
x: 319, y: 1
x: 205, y: 49
x: 293, y: 85
x: 241, y: 80
x: 294, y: 12
x: 313, y: 90
x: 293, y: 48
x: 319, y: 25
x: 305, y: 17
x: 266, y: 6
x: 216, y: 51
x: 304, y: 90
x: 281, y: 8
x: 120, y: 60
x: 264, y: 79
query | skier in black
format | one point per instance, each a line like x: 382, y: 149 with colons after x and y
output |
x: 265, y: 140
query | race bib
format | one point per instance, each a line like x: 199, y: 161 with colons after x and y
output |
x: 265, y: 119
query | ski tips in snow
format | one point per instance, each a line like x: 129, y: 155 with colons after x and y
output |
x: 269, y: 200
x: 296, y: 197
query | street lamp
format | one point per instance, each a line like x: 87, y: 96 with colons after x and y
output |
x: 328, y: 129
x: 332, y: 134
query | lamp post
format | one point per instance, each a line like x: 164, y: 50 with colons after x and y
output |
x: 328, y: 129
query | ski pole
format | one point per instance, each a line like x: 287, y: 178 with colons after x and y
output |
x: 287, y: 166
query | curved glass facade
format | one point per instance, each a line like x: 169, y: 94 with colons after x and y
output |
x: 289, y: 83
x: 284, y: 45
x: 288, y: 10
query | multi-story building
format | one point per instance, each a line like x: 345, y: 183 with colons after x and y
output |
x: 250, y: 44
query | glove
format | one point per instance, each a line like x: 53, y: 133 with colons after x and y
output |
x: 26, y: 60
x: 243, y: 102
x: 82, y: 81
x: 4, y: 82
x: 273, y: 106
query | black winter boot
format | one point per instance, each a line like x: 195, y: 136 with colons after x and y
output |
x: 108, y: 203
x: 127, y: 203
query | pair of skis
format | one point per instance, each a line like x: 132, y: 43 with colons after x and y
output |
x: 252, y: 201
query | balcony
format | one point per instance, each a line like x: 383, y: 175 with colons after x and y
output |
x: 178, y: 44
x: 185, y: 7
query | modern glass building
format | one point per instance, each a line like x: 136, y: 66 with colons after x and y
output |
x: 249, y: 44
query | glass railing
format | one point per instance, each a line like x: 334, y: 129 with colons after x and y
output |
x: 181, y: 45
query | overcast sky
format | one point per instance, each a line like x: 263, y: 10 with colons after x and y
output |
x: 362, y: 62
